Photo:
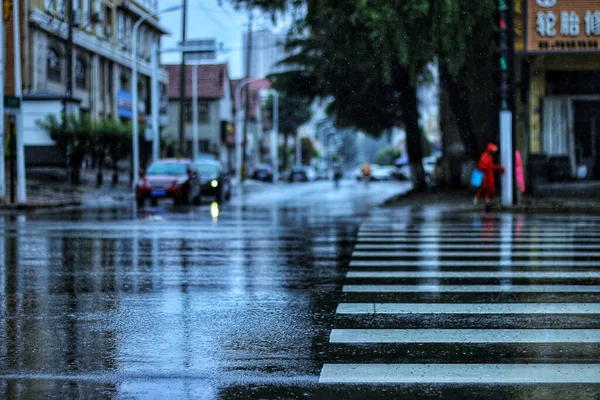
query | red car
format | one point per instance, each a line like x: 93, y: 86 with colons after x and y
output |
x: 169, y: 178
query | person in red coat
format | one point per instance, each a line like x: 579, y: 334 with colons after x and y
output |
x: 488, y: 167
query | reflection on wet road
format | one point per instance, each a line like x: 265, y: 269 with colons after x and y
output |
x: 268, y: 297
x: 176, y: 301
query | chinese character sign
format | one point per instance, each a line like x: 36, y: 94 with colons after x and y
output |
x: 562, y: 26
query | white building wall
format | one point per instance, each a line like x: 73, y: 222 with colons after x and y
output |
x: 34, y: 111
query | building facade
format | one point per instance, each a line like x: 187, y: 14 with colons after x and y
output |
x: 558, y: 76
x: 268, y: 49
x: 101, y: 63
x: 215, y: 110
x: 257, y: 138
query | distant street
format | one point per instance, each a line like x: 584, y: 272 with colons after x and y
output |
x: 298, y: 290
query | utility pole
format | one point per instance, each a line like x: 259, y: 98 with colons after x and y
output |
x: 2, y: 171
x: 507, y: 134
x: 275, y: 137
x: 69, y: 87
x: 247, y: 97
x: 182, y: 144
x: 20, y: 151
x: 155, y: 98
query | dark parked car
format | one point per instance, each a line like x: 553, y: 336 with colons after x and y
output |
x: 215, y: 180
x: 169, y: 178
x: 298, y: 174
x: 263, y: 172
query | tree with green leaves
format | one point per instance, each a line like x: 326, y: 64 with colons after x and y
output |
x: 387, y: 156
x: 371, y: 55
x: 74, y: 139
x: 294, y: 111
x: 81, y: 137
x: 112, y: 139
x: 359, y: 54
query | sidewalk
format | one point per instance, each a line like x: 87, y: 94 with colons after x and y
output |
x: 47, y: 188
x: 556, y: 199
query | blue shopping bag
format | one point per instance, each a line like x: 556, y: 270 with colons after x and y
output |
x: 476, y: 178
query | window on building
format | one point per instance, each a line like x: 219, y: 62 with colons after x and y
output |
x: 80, y: 74
x: 142, y: 42
x: 102, y: 80
x: 108, y: 23
x: 121, y: 30
x: 60, y: 10
x: 99, y: 11
x: 203, y: 111
x: 204, y: 145
x: 128, y: 33
x: 85, y: 11
x: 49, y: 5
x: 76, y: 9
x: 53, y: 66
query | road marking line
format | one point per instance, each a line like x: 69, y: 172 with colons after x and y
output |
x: 468, y: 308
x: 481, y: 235
x: 465, y: 336
x: 483, y: 228
x: 435, y: 246
x: 460, y: 373
x: 466, y: 274
x: 455, y: 263
x: 463, y: 228
x: 471, y: 288
x: 486, y: 254
x: 417, y: 241
x: 497, y: 225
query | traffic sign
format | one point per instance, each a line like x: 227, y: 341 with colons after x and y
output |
x: 12, y: 102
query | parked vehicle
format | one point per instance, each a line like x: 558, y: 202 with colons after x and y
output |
x: 263, y: 172
x: 215, y: 180
x: 311, y: 173
x: 358, y: 173
x: 298, y: 174
x: 322, y: 173
x: 172, y: 178
x: 381, y: 172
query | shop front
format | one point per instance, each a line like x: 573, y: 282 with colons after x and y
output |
x: 559, y: 76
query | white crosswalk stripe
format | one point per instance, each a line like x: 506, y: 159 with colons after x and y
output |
x: 496, y: 283
x: 462, y: 373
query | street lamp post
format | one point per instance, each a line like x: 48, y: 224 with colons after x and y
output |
x: 195, y: 112
x: 134, y: 88
x: 275, y: 136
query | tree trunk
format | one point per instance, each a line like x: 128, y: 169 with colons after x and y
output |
x: 414, y: 136
x: 100, y: 173
x: 76, y: 162
x: 115, y: 173
x: 461, y: 108
x: 76, y: 174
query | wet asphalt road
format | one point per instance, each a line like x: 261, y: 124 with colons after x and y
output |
x: 176, y: 302
x: 267, y: 297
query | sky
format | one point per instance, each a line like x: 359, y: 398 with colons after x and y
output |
x: 206, y: 19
